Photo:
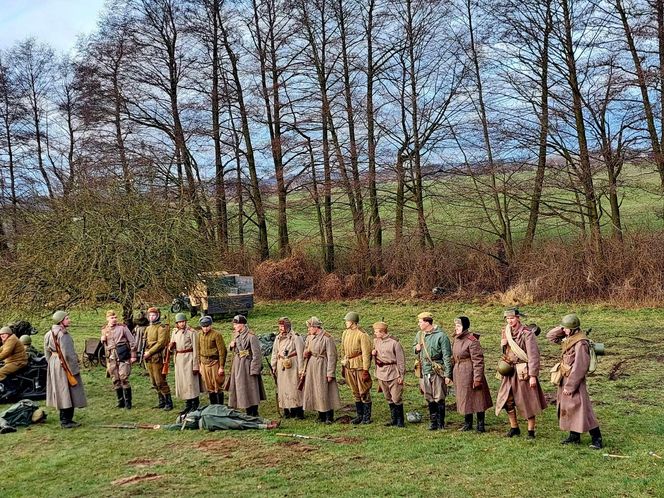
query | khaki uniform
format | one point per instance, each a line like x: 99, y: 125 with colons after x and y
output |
x: 515, y: 391
x: 468, y: 370
x: 59, y: 394
x: 318, y: 394
x: 575, y: 412
x: 188, y: 382
x: 157, y: 339
x: 119, y: 371
x: 14, y: 355
x: 286, y: 362
x: 246, y: 384
x: 211, y: 356
x: 356, y: 352
x: 390, y: 367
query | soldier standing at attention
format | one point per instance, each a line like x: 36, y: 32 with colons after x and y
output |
x: 188, y: 384
x: 157, y: 339
x: 575, y: 411
x: 320, y: 391
x: 64, y: 386
x: 212, y: 359
x: 286, y: 361
x: 520, y: 388
x: 120, y: 348
x: 245, y: 390
x: 433, y: 348
x: 472, y: 389
x: 356, y: 352
x: 390, y: 371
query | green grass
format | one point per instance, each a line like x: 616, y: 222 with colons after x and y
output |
x: 44, y: 460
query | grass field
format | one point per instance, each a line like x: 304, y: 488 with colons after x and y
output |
x: 372, y: 460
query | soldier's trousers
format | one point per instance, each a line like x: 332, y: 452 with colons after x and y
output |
x: 213, y: 382
x: 433, y: 386
x: 158, y: 379
x: 361, y: 390
x: 392, y: 390
x: 119, y: 371
x: 7, y: 370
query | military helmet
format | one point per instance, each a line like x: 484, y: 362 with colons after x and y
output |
x: 58, y: 316
x: 504, y: 368
x: 414, y: 417
x: 6, y: 330
x: 571, y: 321
x: 180, y: 317
x: 351, y: 316
x: 26, y: 340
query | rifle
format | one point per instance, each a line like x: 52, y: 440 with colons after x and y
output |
x: 300, y: 384
x: 70, y: 376
x: 167, y: 361
x: 131, y: 426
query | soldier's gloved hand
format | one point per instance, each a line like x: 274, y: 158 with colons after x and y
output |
x: 307, y: 354
x: 366, y: 376
x: 477, y: 384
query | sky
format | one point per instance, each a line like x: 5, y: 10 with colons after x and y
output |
x: 56, y: 22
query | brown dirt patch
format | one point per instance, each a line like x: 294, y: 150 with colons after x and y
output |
x: 125, y: 481
x: 145, y: 462
x: 298, y: 447
x: 347, y: 439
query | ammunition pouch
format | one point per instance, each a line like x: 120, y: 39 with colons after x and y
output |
x: 522, y: 371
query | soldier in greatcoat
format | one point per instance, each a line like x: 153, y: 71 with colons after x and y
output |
x: 356, y: 361
x: 245, y: 390
x: 212, y: 360
x: 432, y: 346
x: 575, y: 410
x: 320, y: 392
x: 471, y: 387
x: 157, y: 337
x: 188, y: 383
x: 520, y: 390
x: 390, y: 371
x: 120, y: 346
x: 286, y: 361
x: 64, y: 386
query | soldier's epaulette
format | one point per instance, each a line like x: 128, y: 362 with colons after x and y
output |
x: 327, y: 334
x: 473, y: 336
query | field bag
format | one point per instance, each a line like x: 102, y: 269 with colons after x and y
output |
x: 123, y: 351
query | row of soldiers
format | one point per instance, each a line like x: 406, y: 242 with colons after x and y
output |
x: 305, y: 369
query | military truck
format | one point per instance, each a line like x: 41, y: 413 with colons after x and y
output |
x: 217, y: 294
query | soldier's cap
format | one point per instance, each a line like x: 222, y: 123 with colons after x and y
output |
x: 111, y: 313
x: 6, y: 330
x: 284, y: 320
x: 512, y: 312
x: 240, y: 319
x: 153, y: 309
x: 205, y: 321
x: 314, y: 321
x: 380, y: 326
x: 425, y: 314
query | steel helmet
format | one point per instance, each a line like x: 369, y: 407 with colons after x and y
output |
x: 58, y: 316
x: 180, y: 317
x: 571, y: 321
x: 351, y: 316
x: 26, y: 340
x: 504, y: 368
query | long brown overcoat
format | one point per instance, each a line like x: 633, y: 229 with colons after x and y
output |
x: 529, y: 401
x: 319, y: 394
x: 287, y: 352
x: 575, y: 412
x: 59, y: 394
x: 246, y: 384
x: 188, y: 385
x: 468, y: 360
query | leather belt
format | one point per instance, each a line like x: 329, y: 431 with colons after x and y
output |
x: 184, y: 350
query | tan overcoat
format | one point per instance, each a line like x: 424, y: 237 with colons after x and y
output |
x: 59, y: 394
x: 286, y: 363
x: 319, y: 394
x: 246, y: 384
x: 188, y: 381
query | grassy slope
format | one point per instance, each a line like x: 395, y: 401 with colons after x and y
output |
x: 376, y: 460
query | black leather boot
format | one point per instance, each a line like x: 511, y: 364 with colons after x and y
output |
x: 322, y: 417
x: 127, y: 398
x: 329, y: 417
x: 195, y: 403
x: 596, y: 436
x: 299, y: 413
x: 514, y: 431
x: 121, y: 400
x: 252, y: 411
x: 480, y: 422
x: 573, y: 438
x: 168, y: 403
x: 441, y: 415
x: 287, y: 413
x: 68, y: 422
x: 366, y: 419
x: 220, y: 397
x: 359, y: 408
x: 398, y: 410
x: 392, y: 416
x: 433, y: 415
x: 187, y: 407
x: 162, y: 402
x: 213, y: 398
x: 467, y: 423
